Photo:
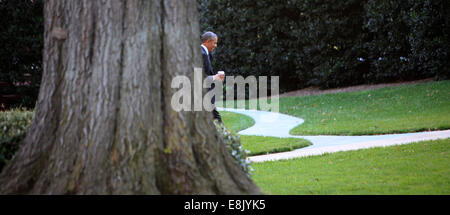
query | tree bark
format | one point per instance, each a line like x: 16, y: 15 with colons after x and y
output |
x: 103, y: 121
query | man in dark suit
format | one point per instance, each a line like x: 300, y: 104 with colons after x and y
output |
x: 209, y: 43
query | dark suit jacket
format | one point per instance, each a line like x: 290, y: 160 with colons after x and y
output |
x: 208, y: 70
x: 207, y: 67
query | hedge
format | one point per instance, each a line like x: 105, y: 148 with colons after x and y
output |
x: 330, y: 43
x: 21, y: 36
x: 326, y: 43
x: 14, y: 125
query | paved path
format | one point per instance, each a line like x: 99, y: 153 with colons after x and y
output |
x: 278, y: 125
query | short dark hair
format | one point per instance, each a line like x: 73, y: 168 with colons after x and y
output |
x: 208, y: 36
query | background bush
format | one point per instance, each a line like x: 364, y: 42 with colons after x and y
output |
x: 330, y: 43
x: 21, y: 36
x: 407, y: 39
x: 233, y: 143
x: 326, y: 43
x: 429, y: 36
x: 13, y: 127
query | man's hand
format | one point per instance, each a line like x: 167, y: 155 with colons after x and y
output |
x: 219, y: 77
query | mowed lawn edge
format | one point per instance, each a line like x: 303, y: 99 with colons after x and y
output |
x: 421, y: 168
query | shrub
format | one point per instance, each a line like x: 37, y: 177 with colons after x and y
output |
x: 429, y: 36
x: 305, y: 42
x: 330, y: 43
x: 407, y: 39
x: 21, y: 36
x: 234, y: 144
x: 14, y: 125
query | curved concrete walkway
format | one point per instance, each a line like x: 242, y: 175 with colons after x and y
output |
x: 274, y: 124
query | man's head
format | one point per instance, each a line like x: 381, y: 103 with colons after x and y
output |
x: 209, y: 40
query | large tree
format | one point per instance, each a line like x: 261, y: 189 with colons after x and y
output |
x: 103, y: 121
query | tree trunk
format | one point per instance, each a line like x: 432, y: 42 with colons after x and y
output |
x: 103, y: 121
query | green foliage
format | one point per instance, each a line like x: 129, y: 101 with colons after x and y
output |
x: 407, y: 39
x: 323, y: 43
x: 329, y: 43
x: 429, y: 36
x: 13, y: 127
x: 234, y: 144
x: 21, y: 36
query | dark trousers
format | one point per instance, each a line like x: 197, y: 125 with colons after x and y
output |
x: 217, y: 116
x: 215, y: 113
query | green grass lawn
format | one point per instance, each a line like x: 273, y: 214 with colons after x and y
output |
x: 402, y: 109
x: 417, y: 168
x: 258, y: 145
x: 236, y: 122
x: 399, y: 109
